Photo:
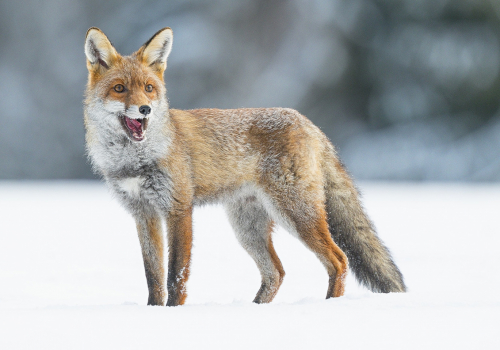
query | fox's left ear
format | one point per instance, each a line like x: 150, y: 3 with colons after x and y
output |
x: 155, y: 52
x: 99, y: 51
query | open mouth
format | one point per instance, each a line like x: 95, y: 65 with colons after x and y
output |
x: 135, y: 128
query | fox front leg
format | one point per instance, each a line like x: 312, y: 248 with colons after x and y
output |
x: 152, y: 244
x: 180, y: 241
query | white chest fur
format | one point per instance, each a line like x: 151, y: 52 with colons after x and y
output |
x: 131, y: 185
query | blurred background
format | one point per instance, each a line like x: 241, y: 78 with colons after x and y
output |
x: 406, y: 89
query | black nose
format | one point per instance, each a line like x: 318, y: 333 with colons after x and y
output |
x: 144, y: 110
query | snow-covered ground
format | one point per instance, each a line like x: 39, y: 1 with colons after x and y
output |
x: 71, y: 277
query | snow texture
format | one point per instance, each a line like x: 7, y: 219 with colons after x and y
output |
x: 71, y: 277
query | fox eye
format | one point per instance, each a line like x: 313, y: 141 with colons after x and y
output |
x: 119, y: 88
x: 149, y: 88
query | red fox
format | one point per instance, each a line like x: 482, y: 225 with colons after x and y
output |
x: 265, y: 165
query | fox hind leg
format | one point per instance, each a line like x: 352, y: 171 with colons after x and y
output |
x: 253, y: 228
x: 309, y: 221
x: 318, y: 239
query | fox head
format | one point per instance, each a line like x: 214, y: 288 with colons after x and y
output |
x: 126, y: 94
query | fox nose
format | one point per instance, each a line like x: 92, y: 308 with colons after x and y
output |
x: 144, y: 110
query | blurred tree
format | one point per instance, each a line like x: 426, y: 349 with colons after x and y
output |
x: 407, y: 89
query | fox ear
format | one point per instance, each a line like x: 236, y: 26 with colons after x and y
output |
x: 154, y: 53
x: 99, y: 51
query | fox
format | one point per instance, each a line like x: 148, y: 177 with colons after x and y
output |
x: 266, y: 166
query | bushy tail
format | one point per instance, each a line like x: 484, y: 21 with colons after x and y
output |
x: 354, y: 233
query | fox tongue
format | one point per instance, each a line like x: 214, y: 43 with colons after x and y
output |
x: 134, y: 125
x: 135, y: 128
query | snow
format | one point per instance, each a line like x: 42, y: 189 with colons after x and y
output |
x: 71, y: 277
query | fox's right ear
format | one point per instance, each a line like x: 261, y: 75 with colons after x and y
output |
x: 99, y: 51
x: 155, y: 52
